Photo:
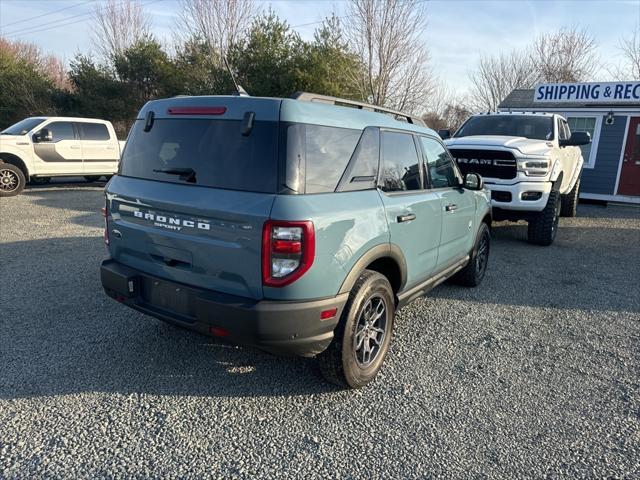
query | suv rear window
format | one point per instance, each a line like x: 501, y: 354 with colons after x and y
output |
x: 215, y: 151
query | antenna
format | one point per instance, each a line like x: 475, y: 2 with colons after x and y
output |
x: 241, y: 91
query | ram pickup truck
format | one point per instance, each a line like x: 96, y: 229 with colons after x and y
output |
x: 38, y: 148
x: 531, y: 162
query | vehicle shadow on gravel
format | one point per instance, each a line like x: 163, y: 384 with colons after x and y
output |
x: 585, y: 269
x: 62, y: 197
x: 62, y: 335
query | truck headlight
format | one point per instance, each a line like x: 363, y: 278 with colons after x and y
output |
x: 537, y: 164
x: 534, y: 167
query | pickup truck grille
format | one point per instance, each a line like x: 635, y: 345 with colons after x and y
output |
x: 488, y: 163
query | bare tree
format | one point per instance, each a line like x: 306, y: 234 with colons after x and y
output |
x: 218, y: 23
x: 446, y: 109
x: 386, y: 36
x: 118, y: 24
x: 630, y: 48
x: 496, y: 76
x: 566, y: 55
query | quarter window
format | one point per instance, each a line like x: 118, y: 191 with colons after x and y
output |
x: 442, y: 172
x: 61, y: 131
x: 317, y: 156
x: 400, y: 165
x: 93, y: 131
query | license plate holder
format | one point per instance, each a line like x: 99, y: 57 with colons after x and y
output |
x: 167, y: 296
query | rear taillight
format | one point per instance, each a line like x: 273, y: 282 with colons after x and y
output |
x: 105, y: 213
x: 288, y: 249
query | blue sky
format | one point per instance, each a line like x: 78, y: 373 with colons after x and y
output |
x: 458, y: 31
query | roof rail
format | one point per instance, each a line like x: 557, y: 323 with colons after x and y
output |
x: 342, y: 102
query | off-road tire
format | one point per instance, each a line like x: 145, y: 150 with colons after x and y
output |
x: 473, y: 274
x: 40, y: 180
x: 544, y: 227
x: 338, y: 363
x: 12, y: 180
x: 570, y: 201
x: 92, y: 178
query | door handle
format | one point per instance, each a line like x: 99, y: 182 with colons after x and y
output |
x: 407, y: 217
x: 111, y: 148
x: 452, y: 207
x: 75, y: 147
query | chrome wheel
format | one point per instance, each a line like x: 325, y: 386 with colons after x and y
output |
x: 9, y: 181
x: 371, y: 331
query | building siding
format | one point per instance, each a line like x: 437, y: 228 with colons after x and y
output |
x: 602, y: 178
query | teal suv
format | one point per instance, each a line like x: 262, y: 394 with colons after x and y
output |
x: 298, y: 226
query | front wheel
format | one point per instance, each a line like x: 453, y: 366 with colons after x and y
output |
x: 362, y: 338
x: 12, y: 180
x: 473, y: 274
x: 543, y: 227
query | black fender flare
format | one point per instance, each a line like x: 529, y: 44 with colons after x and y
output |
x: 387, y: 250
x: 557, y: 183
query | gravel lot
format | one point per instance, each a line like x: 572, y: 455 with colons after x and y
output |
x: 536, y: 373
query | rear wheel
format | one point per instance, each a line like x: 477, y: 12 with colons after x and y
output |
x: 12, y: 180
x: 92, y: 178
x: 362, y: 337
x: 544, y: 227
x: 473, y: 273
x: 570, y: 201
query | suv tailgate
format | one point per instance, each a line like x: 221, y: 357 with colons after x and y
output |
x: 200, y: 236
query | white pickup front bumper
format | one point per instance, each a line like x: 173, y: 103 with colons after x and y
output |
x: 510, y: 197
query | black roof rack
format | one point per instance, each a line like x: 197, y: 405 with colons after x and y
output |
x: 342, y: 102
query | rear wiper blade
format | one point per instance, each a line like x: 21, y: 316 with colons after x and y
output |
x: 187, y: 174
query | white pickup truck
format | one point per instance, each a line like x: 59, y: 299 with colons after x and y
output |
x: 38, y: 148
x: 531, y: 162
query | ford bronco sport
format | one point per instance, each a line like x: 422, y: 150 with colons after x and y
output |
x: 530, y: 161
x: 294, y: 225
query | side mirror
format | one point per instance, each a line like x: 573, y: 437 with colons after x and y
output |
x: 577, y: 139
x: 473, y: 181
x: 444, y: 134
x: 44, y: 135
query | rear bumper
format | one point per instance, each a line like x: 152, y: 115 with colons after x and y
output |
x: 280, y: 327
x: 509, y: 197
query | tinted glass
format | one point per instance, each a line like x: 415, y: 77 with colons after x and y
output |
x: 93, y: 131
x: 529, y: 126
x: 400, y: 164
x: 362, y: 171
x: 317, y: 156
x: 61, y: 131
x: 442, y: 173
x: 204, y: 152
x: 23, y: 127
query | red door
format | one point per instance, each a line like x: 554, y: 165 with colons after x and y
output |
x: 630, y: 172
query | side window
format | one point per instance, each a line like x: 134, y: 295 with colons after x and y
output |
x: 442, y: 173
x: 93, y: 131
x: 61, y: 131
x: 317, y: 156
x: 400, y: 169
x: 362, y: 171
